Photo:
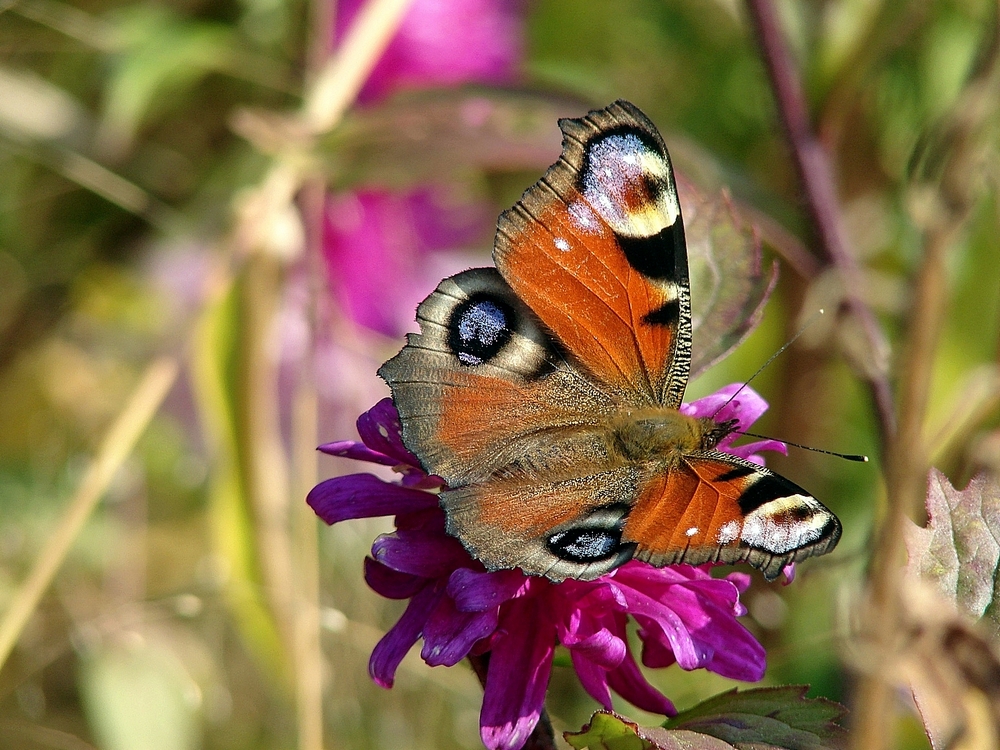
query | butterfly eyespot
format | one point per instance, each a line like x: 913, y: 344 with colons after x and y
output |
x: 786, y: 524
x: 585, y: 545
x: 479, y: 328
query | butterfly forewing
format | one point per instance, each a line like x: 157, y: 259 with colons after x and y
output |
x: 482, y: 389
x: 596, y: 250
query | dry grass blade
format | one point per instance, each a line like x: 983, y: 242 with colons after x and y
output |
x: 117, y: 445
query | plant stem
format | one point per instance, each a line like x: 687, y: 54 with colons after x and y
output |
x: 340, y: 80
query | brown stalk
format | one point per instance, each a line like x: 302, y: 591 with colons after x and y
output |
x: 114, y: 449
x: 305, y: 433
x: 908, y: 455
x: 816, y: 175
x: 907, y: 458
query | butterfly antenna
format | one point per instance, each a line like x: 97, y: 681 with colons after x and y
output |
x: 812, y: 319
x: 848, y: 456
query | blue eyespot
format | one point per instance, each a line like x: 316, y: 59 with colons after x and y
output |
x: 479, y: 328
x: 585, y: 545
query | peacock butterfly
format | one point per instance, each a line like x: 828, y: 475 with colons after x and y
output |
x: 545, y: 391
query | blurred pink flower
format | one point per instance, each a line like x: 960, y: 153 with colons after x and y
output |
x: 442, y: 43
x: 383, y: 250
x: 458, y: 608
x: 379, y: 246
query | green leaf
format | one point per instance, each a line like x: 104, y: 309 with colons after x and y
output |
x: 780, y: 717
x: 159, y: 56
x: 959, y: 550
x: 729, y: 281
x: 609, y: 731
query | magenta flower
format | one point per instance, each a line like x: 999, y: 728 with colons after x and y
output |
x: 408, y: 237
x: 458, y: 608
x: 746, y: 409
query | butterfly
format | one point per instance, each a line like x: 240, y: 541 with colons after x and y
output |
x: 545, y: 391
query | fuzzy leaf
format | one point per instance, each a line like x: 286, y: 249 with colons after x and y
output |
x: 959, y: 550
x: 609, y: 731
x: 780, y: 717
x: 729, y: 280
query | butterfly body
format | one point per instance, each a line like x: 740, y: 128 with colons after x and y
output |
x: 546, y: 392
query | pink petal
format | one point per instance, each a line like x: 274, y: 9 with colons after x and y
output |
x: 789, y: 573
x: 389, y: 651
x: 741, y: 581
x: 357, y: 451
x: 735, y: 652
x: 747, y: 407
x: 420, y: 553
x: 381, y: 430
x: 378, y: 261
x: 474, y: 591
x: 656, y: 651
x: 518, y: 675
x: 628, y: 681
x: 643, y: 575
x: 424, y: 519
x: 364, y: 496
x: 656, y: 617
x: 720, y: 643
x: 445, y: 42
x: 593, y: 678
x: 603, y: 648
x: 751, y: 451
x: 391, y: 583
x: 602, y: 594
x: 449, y: 634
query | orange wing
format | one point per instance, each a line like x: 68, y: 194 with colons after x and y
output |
x: 596, y: 250
x: 714, y: 507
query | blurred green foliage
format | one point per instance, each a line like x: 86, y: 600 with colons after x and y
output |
x: 119, y: 174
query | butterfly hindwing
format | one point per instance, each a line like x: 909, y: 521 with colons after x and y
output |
x: 559, y: 527
x: 716, y: 507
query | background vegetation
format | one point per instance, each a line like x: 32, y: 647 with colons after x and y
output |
x: 159, y: 202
